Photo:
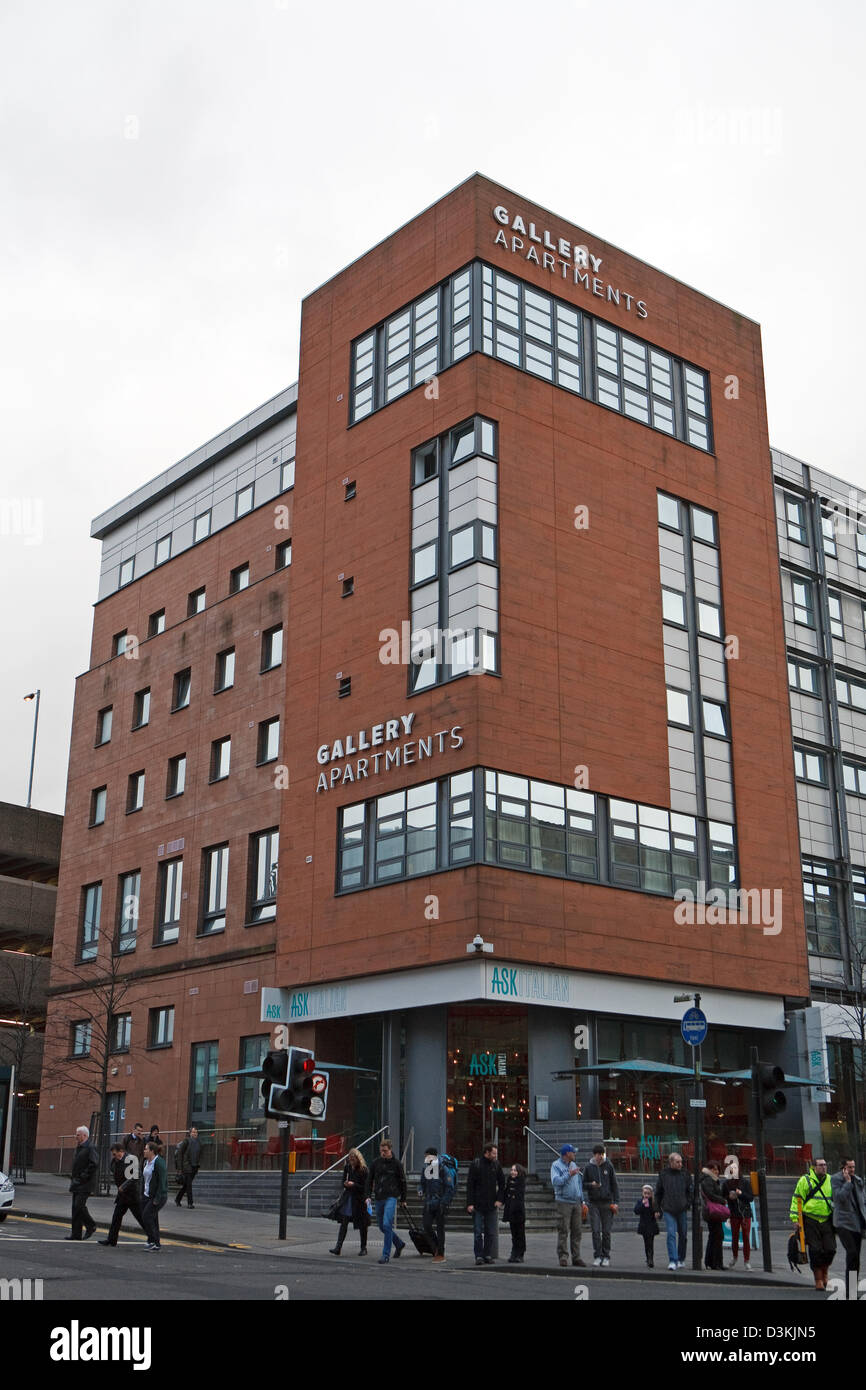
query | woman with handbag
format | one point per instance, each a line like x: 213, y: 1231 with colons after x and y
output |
x: 716, y: 1214
x: 352, y: 1204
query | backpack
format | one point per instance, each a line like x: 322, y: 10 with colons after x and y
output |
x: 447, y: 1179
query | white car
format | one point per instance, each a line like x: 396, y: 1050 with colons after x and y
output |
x: 7, y: 1196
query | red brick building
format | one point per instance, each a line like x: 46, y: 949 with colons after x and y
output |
x: 519, y: 618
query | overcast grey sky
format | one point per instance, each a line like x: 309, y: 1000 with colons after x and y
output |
x: 177, y: 174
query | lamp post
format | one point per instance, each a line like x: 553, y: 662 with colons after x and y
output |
x: 34, y: 695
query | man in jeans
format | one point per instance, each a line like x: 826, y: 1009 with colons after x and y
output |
x: 673, y: 1195
x: 568, y: 1195
x: 485, y: 1195
x: 388, y: 1186
x: 602, y: 1195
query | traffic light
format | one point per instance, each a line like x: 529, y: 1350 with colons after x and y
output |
x: 275, y: 1067
x: 768, y: 1078
x: 292, y: 1088
x: 302, y: 1064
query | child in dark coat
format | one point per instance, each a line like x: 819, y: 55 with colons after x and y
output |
x: 514, y: 1212
x: 647, y: 1225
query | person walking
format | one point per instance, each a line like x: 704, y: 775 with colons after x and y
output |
x: 127, y: 1196
x: 188, y: 1161
x: 388, y: 1186
x: 715, y: 1214
x: 353, y: 1207
x: 569, y: 1205
x: 646, y: 1212
x: 849, y: 1217
x: 674, y: 1193
x: 430, y: 1190
x: 154, y: 1137
x: 514, y: 1212
x: 85, y: 1166
x: 485, y: 1195
x: 155, y: 1186
x: 602, y: 1195
x: 814, y: 1191
x: 738, y: 1196
x: 135, y: 1141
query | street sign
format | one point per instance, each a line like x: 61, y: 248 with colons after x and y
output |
x: 320, y: 1083
x: 694, y: 1027
x: 317, y: 1106
x: 698, y: 1104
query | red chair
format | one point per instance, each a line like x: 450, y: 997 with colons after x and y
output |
x: 747, y: 1154
x: 629, y: 1152
x: 302, y: 1147
x: 717, y: 1150
x: 273, y: 1150
x: 247, y: 1149
x: 335, y: 1147
x: 804, y: 1153
x: 234, y: 1152
x: 688, y: 1149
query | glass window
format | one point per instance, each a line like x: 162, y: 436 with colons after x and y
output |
x: 272, y: 647
x: 225, y: 670
x: 161, y: 1027
x: 703, y: 525
x: 141, y: 708
x: 121, y: 1032
x: 204, y: 1073
x: 795, y: 519
x: 195, y: 602
x: 135, y: 792
x: 170, y: 898
x: 810, y: 767
x: 287, y: 475
x: 215, y: 879
x: 269, y: 741
x: 669, y: 512
x: 181, y: 690
x: 176, y: 783
x: 834, y: 604
x: 80, y: 1038
x: 820, y: 894
x: 709, y: 619
x: 283, y: 555
x: 127, y: 572
x: 803, y: 603
x: 851, y: 692
x: 97, y: 805
x: 156, y: 623
x: 91, y: 909
x: 250, y: 1103
x: 220, y: 759
x: 239, y: 579
x: 462, y: 546
x: 201, y: 528
x: 119, y: 643
x: 265, y: 864
x: 424, y: 564
x: 163, y: 550
x: 678, y: 708
x: 673, y: 607
x: 128, y: 900
x: 828, y: 532
x: 244, y: 501
x: 103, y: 725
x: 715, y: 718
x: 854, y: 777
x: 802, y: 677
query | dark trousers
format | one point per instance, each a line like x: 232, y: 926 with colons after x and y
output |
x: 81, y: 1218
x: 150, y: 1217
x: 185, y: 1189
x: 648, y: 1239
x: 518, y: 1237
x: 484, y: 1224
x: 433, y: 1222
x: 819, y: 1242
x: 123, y: 1204
x: 344, y: 1227
x: 850, y: 1242
x: 714, y: 1256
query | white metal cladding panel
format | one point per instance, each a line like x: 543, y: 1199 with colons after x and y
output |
x: 816, y: 821
x: 852, y: 727
x: 425, y: 607
x: 807, y: 716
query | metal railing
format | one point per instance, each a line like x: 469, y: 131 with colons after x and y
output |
x: 527, y: 1130
x: 216, y: 1144
x: 410, y: 1144
x: 305, y: 1190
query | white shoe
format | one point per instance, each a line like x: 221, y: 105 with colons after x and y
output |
x: 605, y: 1261
x: 597, y: 1260
x: 673, y: 1265
x: 681, y: 1264
x: 747, y: 1267
x: 733, y: 1264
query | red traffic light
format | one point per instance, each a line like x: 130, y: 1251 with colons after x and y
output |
x: 308, y: 1064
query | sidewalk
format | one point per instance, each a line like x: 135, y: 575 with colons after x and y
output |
x: 46, y: 1196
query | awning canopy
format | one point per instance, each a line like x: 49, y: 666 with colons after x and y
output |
x: 640, y: 1066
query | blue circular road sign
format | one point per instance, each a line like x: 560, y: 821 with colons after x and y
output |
x: 694, y: 1027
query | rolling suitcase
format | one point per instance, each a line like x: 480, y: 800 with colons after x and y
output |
x: 424, y: 1244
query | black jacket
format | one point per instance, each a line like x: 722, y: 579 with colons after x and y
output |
x: 485, y: 1185
x: 128, y: 1189
x: 135, y: 1145
x: 741, y: 1206
x: 515, y: 1199
x: 603, y: 1174
x: 674, y: 1190
x: 85, y: 1166
x: 387, y: 1179
x: 358, y: 1192
x: 646, y: 1218
x: 188, y: 1155
x: 711, y: 1191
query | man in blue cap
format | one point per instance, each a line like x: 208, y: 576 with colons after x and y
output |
x: 568, y: 1194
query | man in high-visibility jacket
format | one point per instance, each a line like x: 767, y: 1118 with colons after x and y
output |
x: 815, y: 1193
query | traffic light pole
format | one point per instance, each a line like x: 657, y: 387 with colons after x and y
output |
x: 763, y: 1207
x: 698, y: 1139
x: 284, y: 1176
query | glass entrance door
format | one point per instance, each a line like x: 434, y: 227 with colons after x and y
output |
x: 488, y: 1080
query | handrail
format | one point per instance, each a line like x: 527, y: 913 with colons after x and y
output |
x: 304, y: 1190
x: 410, y: 1143
x: 527, y: 1130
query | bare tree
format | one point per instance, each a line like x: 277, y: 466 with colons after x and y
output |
x: 23, y: 984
